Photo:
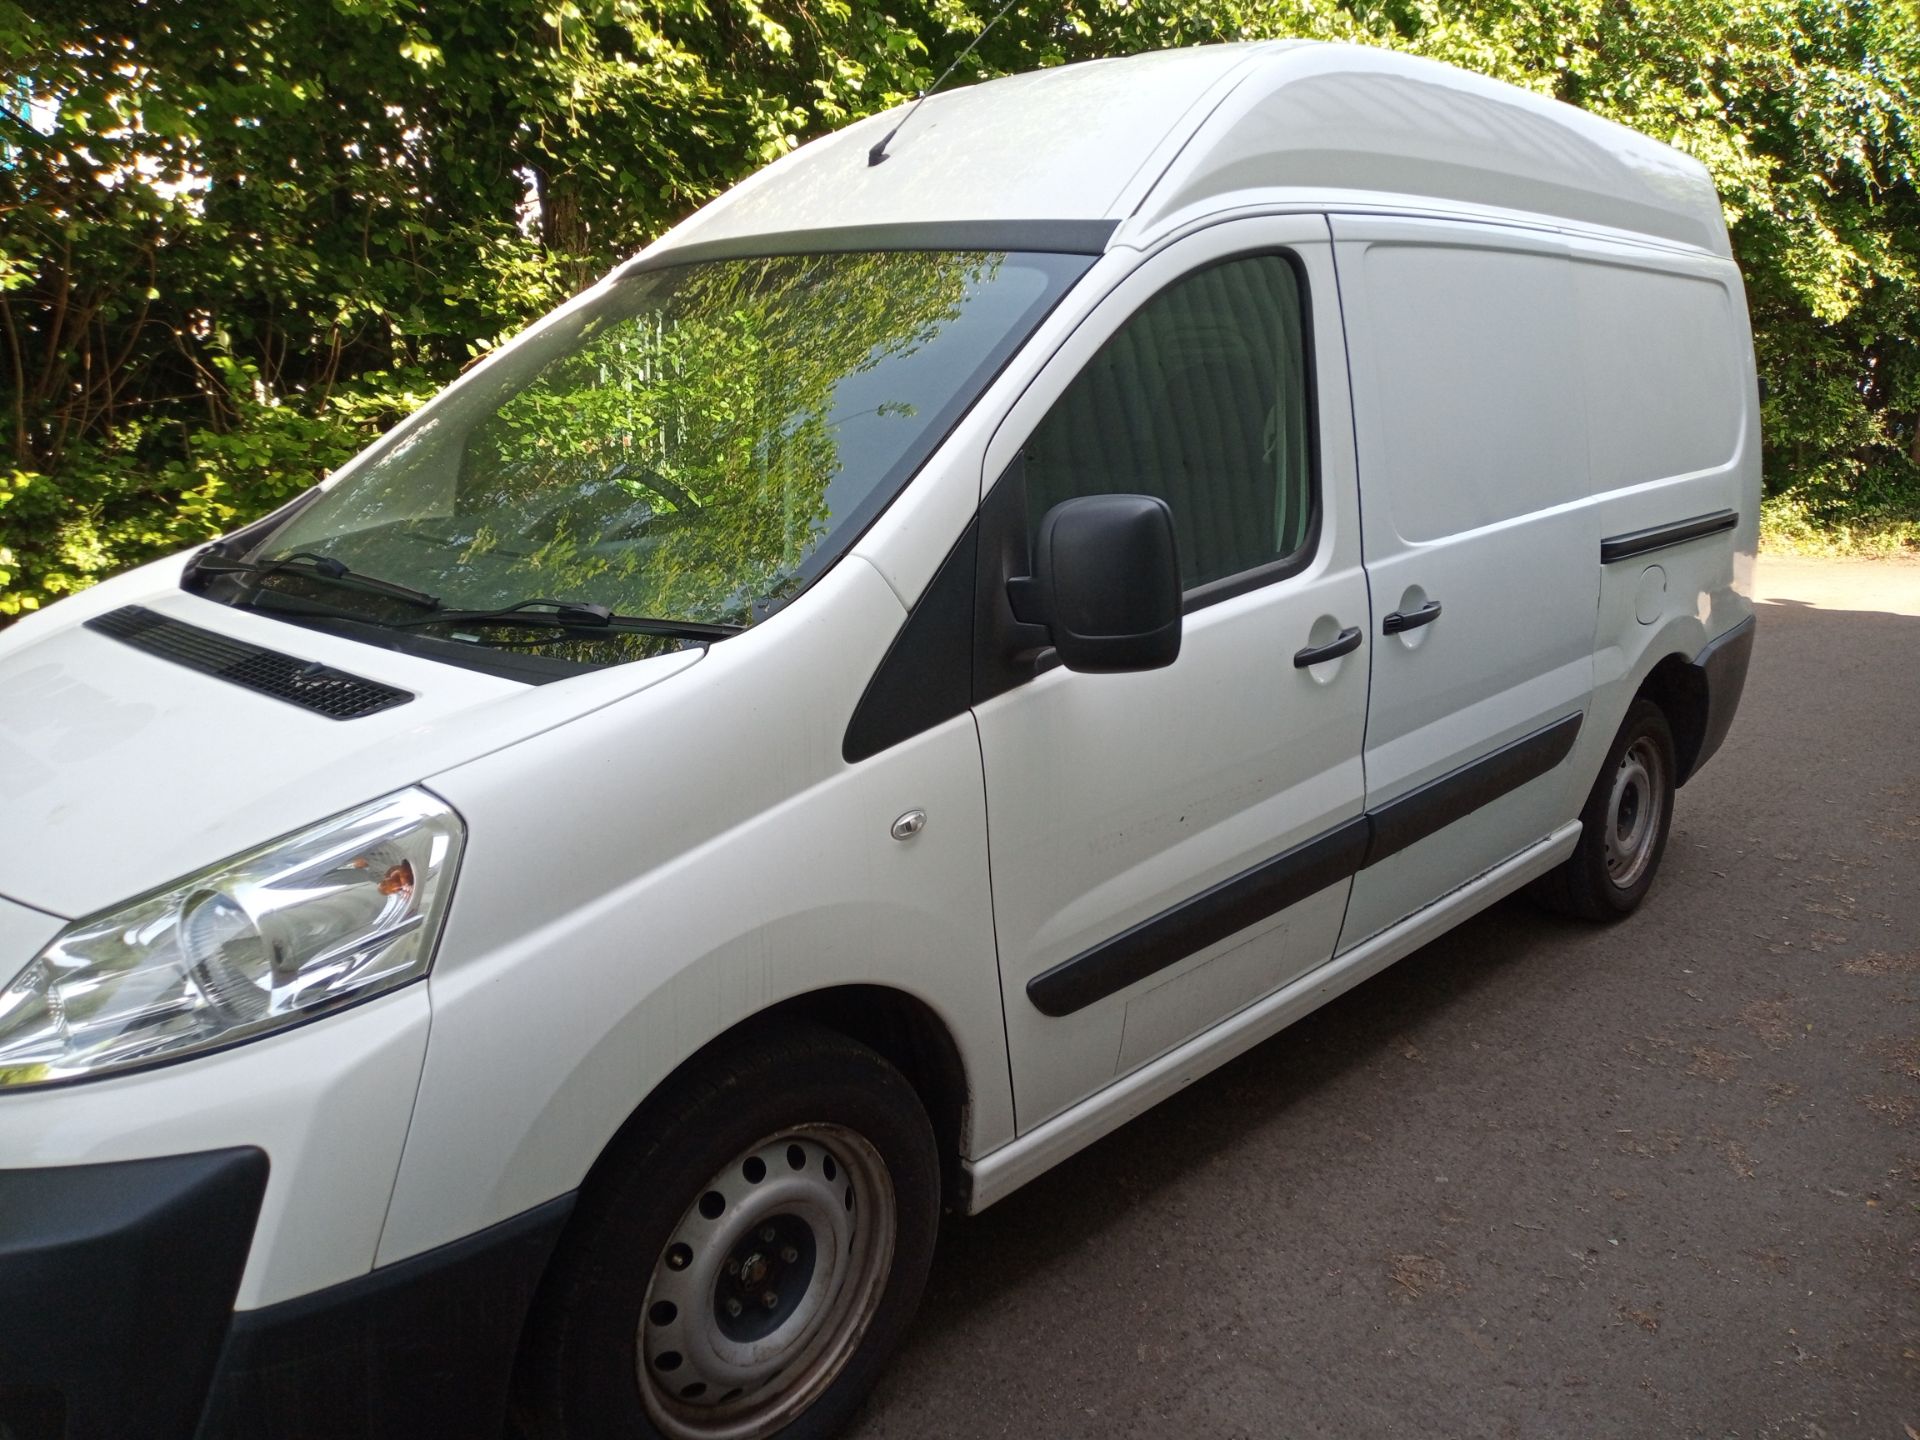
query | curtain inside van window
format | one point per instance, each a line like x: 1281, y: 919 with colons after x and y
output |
x: 1200, y: 399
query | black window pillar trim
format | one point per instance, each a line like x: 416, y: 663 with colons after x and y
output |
x: 925, y: 679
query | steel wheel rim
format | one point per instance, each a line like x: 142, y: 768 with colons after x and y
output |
x: 1634, y: 812
x: 766, y: 1286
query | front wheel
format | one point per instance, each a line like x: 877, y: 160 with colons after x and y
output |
x: 1623, y: 829
x: 744, y: 1266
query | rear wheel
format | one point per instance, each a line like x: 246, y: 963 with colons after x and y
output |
x: 745, y: 1268
x: 1623, y: 828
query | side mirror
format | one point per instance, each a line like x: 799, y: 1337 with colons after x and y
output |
x: 1105, y: 583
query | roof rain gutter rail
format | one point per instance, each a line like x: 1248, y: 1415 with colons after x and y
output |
x: 1060, y: 237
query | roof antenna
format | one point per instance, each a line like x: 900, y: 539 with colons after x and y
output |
x: 879, y: 151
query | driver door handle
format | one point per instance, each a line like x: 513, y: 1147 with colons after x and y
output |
x: 1410, y: 620
x: 1345, y: 643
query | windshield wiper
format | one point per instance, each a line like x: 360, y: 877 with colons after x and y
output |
x: 309, y: 565
x: 558, y: 614
x: 571, y: 615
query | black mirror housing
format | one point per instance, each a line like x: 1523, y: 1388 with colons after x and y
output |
x: 1106, y: 583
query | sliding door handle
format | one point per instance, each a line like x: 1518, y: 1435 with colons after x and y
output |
x: 1410, y: 620
x: 1345, y: 643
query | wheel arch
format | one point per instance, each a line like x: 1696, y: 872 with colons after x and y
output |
x: 901, y: 1027
x: 1679, y: 688
x: 913, y: 1038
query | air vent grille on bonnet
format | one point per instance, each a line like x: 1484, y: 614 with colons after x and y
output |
x: 306, y: 683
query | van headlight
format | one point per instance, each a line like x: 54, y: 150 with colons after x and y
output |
x: 318, y: 920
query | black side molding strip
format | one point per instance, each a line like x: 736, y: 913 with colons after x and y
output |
x: 1659, y: 537
x: 1457, y: 794
x: 1213, y: 914
x: 1291, y: 876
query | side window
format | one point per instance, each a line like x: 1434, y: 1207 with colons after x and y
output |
x: 1200, y: 399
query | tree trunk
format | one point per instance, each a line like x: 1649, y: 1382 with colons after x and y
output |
x: 563, y: 230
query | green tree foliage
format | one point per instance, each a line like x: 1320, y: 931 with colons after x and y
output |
x: 238, y: 239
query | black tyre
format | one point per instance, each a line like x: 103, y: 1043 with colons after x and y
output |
x: 1623, y: 829
x: 746, y: 1260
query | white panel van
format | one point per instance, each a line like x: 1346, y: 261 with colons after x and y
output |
x: 995, y: 615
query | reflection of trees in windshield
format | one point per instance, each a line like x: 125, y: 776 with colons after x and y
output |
x: 675, y: 461
x: 694, y: 442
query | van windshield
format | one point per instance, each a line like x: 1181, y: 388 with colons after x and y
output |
x: 695, y: 445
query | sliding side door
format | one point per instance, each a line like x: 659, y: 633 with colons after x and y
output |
x: 1480, y: 547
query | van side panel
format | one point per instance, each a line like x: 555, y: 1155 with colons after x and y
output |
x: 1577, y: 417
x: 1672, y: 407
x: 703, y: 854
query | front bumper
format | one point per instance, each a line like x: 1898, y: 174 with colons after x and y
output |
x: 118, y: 1323
x: 329, y: 1103
x: 118, y: 1282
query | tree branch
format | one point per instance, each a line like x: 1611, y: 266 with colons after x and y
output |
x: 19, y: 382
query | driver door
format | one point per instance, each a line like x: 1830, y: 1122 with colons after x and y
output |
x: 1170, y: 846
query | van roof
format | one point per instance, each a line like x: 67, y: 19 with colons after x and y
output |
x: 1119, y: 151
